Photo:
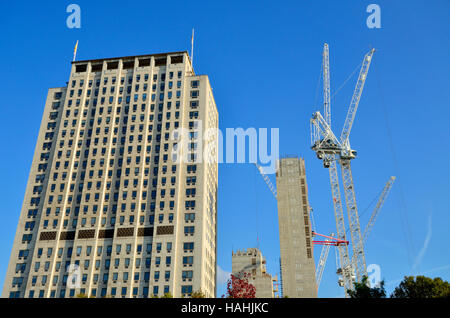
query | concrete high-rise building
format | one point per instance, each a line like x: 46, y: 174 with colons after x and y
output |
x: 296, y: 249
x: 252, y: 262
x: 109, y: 210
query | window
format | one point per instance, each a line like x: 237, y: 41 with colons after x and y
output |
x: 190, y: 204
x: 189, y: 217
x: 190, y: 192
x: 186, y: 290
x: 187, y: 275
x: 188, y: 260
x: 188, y: 247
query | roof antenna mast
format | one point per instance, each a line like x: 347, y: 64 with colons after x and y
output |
x: 192, y: 49
x: 75, y: 51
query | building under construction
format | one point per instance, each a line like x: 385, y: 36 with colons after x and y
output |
x: 252, y: 262
x: 299, y: 276
x: 296, y: 248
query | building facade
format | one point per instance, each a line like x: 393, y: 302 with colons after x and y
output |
x: 109, y: 208
x: 252, y: 262
x: 296, y: 249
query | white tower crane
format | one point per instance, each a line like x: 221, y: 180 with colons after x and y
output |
x: 330, y: 149
x: 376, y: 210
x: 329, y: 240
x: 272, y: 188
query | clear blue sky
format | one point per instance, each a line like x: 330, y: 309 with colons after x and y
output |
x: 263, y: 59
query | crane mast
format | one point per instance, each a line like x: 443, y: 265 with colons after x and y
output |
x: 344, y: 259
x: 355, y: 229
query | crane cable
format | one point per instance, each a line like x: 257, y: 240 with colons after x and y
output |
x: 316, y: 105
x: 346, y: 81
x: 256, y: 212
x: 403, y: 209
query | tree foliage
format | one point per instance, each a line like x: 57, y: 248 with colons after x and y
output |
x: 198, y: 294
x: 422, y: 287
x: 239, y: 287
x: 363, y: 290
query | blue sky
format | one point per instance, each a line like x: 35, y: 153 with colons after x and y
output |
x: 263, y: 59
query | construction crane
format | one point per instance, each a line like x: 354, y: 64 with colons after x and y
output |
x: 322, y: 261
x: 329, y: 242
x: 330, y: 150
x: 376, y: 210
x: 272, y: 188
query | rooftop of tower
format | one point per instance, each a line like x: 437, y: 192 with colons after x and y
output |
x: 156, y: 55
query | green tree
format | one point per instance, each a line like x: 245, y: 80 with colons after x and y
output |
x: 82, y: 296
x: 167, y: 295
x: 422, y: 287
x: 198, y: 294
x: 363, y: 290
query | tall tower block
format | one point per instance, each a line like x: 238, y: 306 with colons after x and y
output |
x: 106, y: 204
x: 296, y: 249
